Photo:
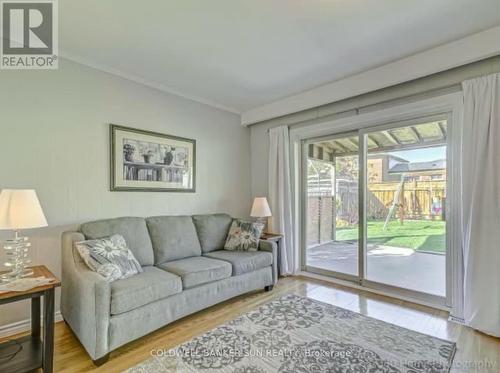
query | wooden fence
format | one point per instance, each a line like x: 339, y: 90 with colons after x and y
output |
x: 320, y: 220
x: 422, y: 200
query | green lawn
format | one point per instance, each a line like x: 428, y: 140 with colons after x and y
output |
x: 421, y: 235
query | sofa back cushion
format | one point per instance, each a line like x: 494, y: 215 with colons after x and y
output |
x: 212, y: 230
x: 134, y: 231
x: 173, y: 237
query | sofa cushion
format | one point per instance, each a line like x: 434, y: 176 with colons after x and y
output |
x: 151, y: 285
x: 173, y: 237
x: 212, y: 230
x: 243, y: 261
x: 198, y: 270
x: 134, y: 231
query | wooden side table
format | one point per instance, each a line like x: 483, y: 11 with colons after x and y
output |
x: 274, y: 237
x: 33, y: 352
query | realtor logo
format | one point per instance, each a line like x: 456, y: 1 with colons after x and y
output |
x: 29, y: 35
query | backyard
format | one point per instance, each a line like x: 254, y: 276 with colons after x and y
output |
x: 419, y: 235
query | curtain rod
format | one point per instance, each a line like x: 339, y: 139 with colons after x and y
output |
x: 378, y: 105
x: 448, y: 80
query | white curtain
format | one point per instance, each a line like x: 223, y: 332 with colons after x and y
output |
x: 280, y: 196
x: 481, y: 203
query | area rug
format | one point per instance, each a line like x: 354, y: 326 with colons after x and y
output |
x: 297, y: 335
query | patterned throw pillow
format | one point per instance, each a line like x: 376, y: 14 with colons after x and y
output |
x: 110, y: 257
x: 244, y: 236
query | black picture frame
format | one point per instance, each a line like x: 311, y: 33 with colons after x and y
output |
x: 143, y: 172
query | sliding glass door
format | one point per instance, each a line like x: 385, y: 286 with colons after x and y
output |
x: 375, y: 207
x: 405, y: 193
x: 332, y: 206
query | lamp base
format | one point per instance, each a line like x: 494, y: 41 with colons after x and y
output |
x: 17, y: 254
x: 264, y: 222
x: 11, y: 276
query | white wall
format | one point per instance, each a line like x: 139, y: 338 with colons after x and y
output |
x: 54, y: 138
x: 259, y: 140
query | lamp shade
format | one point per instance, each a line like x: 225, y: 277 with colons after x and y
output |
x: 20, y: 209
x: 260, y: 208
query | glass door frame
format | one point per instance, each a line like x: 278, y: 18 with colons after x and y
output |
x: 303, y: 252
x: 427, y: 297
x: 360, y: 279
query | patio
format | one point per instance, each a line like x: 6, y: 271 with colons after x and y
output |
x: 397, y: 266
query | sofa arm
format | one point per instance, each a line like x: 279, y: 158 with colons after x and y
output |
x: 85, y: 299
x: 271, y: 247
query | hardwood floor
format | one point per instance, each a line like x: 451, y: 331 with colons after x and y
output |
x: 472, y: 347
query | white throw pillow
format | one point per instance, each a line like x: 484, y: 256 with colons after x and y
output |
x: 110, y: 257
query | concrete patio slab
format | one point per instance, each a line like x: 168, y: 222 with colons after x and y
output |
x: 396, y: 266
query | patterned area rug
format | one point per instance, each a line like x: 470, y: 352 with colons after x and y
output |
x: 295, y: 334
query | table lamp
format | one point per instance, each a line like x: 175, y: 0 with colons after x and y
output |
x: 261, y: 210
x: 19, y: 209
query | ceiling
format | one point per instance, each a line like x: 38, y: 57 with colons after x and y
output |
x: 241, y: 54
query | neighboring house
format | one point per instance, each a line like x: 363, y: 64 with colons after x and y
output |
x: 379, y: 166
x: 382, y: 168
x: 420, y: 171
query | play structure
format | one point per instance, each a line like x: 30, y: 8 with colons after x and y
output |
x: 398, y: 199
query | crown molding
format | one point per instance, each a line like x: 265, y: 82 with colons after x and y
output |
x: 146, y: 82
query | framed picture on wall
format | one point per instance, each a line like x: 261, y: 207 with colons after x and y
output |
x: 151, y: 162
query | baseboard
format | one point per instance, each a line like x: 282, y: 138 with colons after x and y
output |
x: 22, y: 326
x: 456, y: 319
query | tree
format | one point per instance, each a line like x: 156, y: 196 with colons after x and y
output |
x: 347, y: 167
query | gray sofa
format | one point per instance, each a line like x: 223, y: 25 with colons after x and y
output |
x: 185, y: 270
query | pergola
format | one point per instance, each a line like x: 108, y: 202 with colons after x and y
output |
x: 404, y: 138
